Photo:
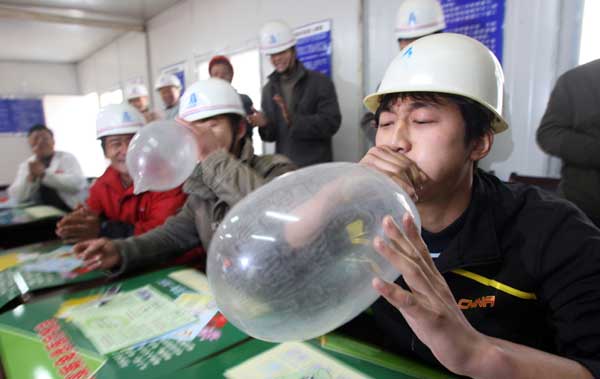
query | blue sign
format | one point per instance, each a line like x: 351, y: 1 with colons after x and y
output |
x: 181, y: 76
x: 313, y: 46
x: 18, y: 115
x: 479, y: 19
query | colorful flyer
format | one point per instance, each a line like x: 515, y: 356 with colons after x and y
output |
x: 129, y: 318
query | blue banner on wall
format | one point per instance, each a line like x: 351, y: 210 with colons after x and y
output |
x: 177, y: 69
x: 313, y: 46
x: 480, y: 19
x: 181, y: 76
x: 18, y: 115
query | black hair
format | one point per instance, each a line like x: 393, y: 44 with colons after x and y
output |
x: 234, y: 120
x: 38, y: 127
x: 478, y: 119
x: 416, y: 38
x: 103, y: 144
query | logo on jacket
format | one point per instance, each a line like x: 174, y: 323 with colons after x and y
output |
x: 482, y: 302
x: 408, y: 53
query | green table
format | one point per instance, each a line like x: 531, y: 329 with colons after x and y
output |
x: 216, y: 366
x: 24, y: 225
x: 24, y: 353
x: 16, y: 281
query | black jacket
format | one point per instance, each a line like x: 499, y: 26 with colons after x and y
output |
x: 570, y: 129
x: 543, y: 257
x: 315, y: 118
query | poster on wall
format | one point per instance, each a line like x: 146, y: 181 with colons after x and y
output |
x: 313, y: 46
x: 178, y: 70
x: 18, y: 115
x: 479, y: 19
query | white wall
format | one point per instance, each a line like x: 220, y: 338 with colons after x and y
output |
x: 196, y: 28
x: 116, y: 63
x: 541, y: 39
x: 541, y: 42
x: 25, y: 79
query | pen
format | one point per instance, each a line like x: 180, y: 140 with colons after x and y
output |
x: 109, y: 294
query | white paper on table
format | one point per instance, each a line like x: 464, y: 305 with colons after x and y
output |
x: 293, y: 360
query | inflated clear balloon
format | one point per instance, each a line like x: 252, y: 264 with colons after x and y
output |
x: 295, y: 259
x: 161, y: 156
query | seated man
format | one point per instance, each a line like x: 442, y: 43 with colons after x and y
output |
x: 503, y: 279
x: 228, y: 171
x: 112, y: 210
x: 48, y: 177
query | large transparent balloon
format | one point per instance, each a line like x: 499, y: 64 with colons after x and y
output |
x: 161, y: 156
x: 295, y: 259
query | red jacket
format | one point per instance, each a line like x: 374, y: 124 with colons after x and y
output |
x: 145, y: 211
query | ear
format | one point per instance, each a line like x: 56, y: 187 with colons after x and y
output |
x: 482, y: 146
x: 241, y: 130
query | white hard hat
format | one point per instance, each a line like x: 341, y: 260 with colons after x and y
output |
x: 275, y: 37
x: 208, y: 98
x: 165, y: 80
x: 135, y: 90
x: 418, y: 18
x: 116, y: 119
x: 446, y: 63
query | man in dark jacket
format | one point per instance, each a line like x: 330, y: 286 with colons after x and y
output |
x: 300, y: 110
x: 570, y: 130
x: 502, y: 280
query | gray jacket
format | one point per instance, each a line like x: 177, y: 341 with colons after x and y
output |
x: 315, y: 118
x: 216, y: 184
x: 570, y: 129
x: 171, y: 113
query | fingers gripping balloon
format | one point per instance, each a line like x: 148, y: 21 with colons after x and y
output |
x: 295, y: 259
x: 161, y: 156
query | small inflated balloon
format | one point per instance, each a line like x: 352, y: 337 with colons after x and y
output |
x: 161, y: 156
x: 295, y: 258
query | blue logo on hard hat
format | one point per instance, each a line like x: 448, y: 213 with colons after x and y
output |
x: 126, y: 117
x: 273, y: 39
x: 412, y: 18
x: 408, y: 53
x: 193, y: 101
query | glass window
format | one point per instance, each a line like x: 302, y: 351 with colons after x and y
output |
x: 589, y: 49
x: 73, y: 121
x: 111, y: 97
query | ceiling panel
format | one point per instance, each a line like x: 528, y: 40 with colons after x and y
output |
x: 139, y: 9
x: 37, y: 39
x: 50, y: 42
